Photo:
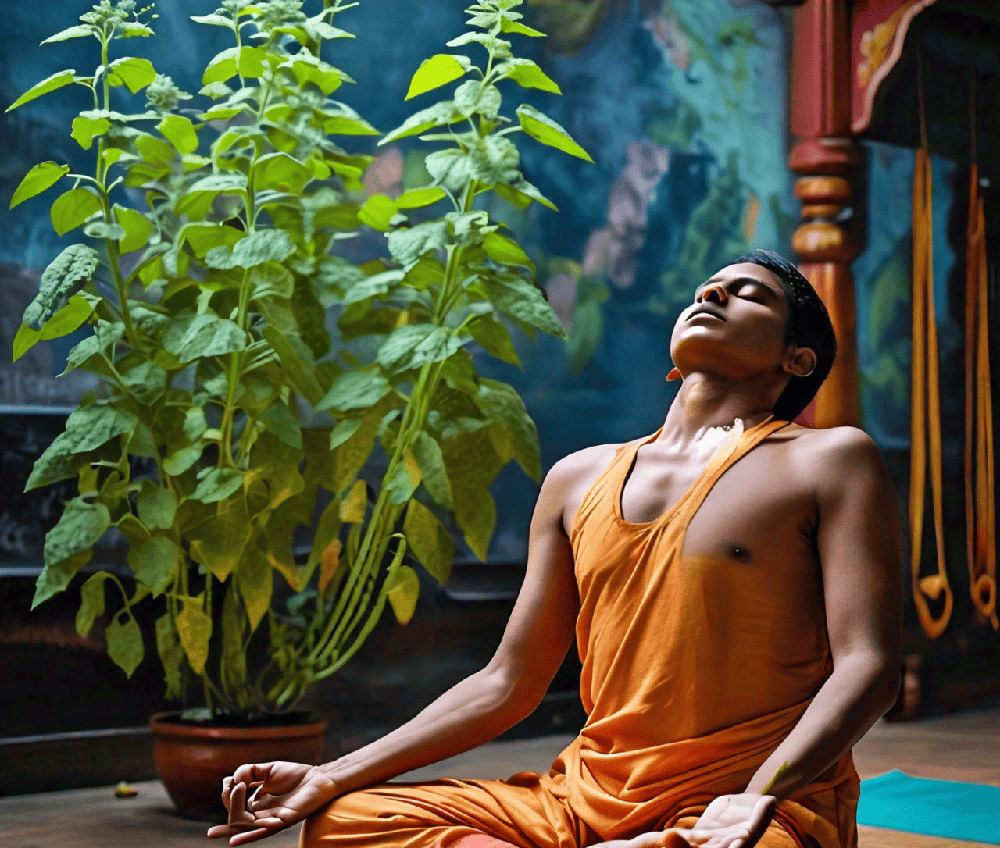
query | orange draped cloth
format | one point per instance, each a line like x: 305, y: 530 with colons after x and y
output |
x: 692, y: 676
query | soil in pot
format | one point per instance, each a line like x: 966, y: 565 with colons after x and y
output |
x: 192, y: 758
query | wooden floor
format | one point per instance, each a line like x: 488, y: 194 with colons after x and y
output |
x: 964, y: 746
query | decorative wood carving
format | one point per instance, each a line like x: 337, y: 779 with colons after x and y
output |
x: 878, y: 31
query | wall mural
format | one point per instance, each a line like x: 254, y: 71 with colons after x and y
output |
x: 682, y: 104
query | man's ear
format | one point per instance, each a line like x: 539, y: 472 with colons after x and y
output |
x: 802, y: 362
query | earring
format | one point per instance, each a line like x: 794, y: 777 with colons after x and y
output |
x: 673, y: 374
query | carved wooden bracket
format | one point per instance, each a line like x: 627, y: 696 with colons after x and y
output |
x: 878, y: 30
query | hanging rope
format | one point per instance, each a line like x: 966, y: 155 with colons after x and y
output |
x: 980, y: 507
x: 925, y: 397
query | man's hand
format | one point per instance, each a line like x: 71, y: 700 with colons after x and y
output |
x: 730, y: 821
x: 280, y: 794
x: 733, y: 821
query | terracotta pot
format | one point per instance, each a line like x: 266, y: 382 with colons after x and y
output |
x: 192, y: 759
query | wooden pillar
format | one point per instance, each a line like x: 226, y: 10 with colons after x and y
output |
x: 826, y: 156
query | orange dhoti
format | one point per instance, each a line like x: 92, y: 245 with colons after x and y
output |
x: 692, y: 676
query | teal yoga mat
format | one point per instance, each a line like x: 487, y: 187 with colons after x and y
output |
x: 936, y: 807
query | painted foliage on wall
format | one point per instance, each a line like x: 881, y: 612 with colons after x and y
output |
x: 682, y: 104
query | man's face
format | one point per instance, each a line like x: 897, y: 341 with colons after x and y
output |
x: 736, y: 323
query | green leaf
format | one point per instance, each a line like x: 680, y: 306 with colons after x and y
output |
x: 253, y: 249
x: 214, y: 20
x: 203, y: 236
x: 78, y: 31
x: 280, y: 172
x: 74, y: 207
x: 297, y: 360
x: 437, y: 115
x: 437, y: 71
x: 65, y: 321
x: 146, y: 382
x: 104, y: 230
x: 281, y: 421
x: 132, y: 72
x: 217, y: 485
x: 180, y: 460
x: 403, y: 480
x: 521, y: 193
x: 403, y: 587
x: 271, y: 280
x: 414, y: 345
x: 516, y: 28
x: 171, y: 653
x: 157, y: 506
x: 345, y: 121
x: 57, y: 80
x: 377, y: 211
x: 502, y: 249
x: 137, y: 228
x: 355, y: 390
x: 474, y: 509
x: 125, y: 646
x: 523, y: 301
x: 418, y: 197
x: 65, y: 275
x: 427, y: 453
x: 91, y: 603
x: 247, y: 61
x: 180, y: 132
x: 352, y: 508
x: 87, y: 428
x: 502, y: 404
x: 155, y: 563
x: 200, y: 336
x: 84, y: 130
x: 194, y: 628
x: 429, y: 541
x: 308, y: 68
x: 256, y: 584
x: 78, y: 529
x: 43, y: 176
x: 451, y: 168
x: 494, y: 338
x: 527, y: 74
x: 218, y: 542
x: 57, y: 576
x: 408, y: 245
x: 233, y: 662
x: 542, y: 128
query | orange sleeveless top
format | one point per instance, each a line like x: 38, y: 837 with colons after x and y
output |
x: 676, y: 652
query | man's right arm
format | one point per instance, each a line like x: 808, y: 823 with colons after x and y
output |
x: 484, y: 705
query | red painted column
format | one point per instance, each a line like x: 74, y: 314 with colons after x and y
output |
x: 826, y: 155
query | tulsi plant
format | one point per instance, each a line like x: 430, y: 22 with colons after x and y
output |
x: 210, y: 275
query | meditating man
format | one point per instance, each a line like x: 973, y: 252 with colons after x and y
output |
x: 734, y: 586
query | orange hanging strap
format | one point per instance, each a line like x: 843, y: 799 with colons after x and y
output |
x: 980, y: 507
x: 926, y: 403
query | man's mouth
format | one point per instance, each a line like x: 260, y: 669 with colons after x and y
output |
x: 705, y: 310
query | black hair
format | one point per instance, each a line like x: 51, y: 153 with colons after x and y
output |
x: 808, y: 325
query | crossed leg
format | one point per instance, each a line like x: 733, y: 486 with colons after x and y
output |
x: 520, y: 812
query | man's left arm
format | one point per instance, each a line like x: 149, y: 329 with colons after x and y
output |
x: 858, y: 541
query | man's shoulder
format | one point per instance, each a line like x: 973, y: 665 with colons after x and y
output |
x: 832, y: 450
x: 586, y: 462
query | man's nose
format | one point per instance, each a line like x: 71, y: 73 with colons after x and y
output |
x: 713, y: 293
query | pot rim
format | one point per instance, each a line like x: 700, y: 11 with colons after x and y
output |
x: 165, y: 724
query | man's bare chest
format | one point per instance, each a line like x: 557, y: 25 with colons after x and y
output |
x: 759, y: 506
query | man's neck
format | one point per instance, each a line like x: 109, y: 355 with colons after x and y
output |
x: 707, y: 402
